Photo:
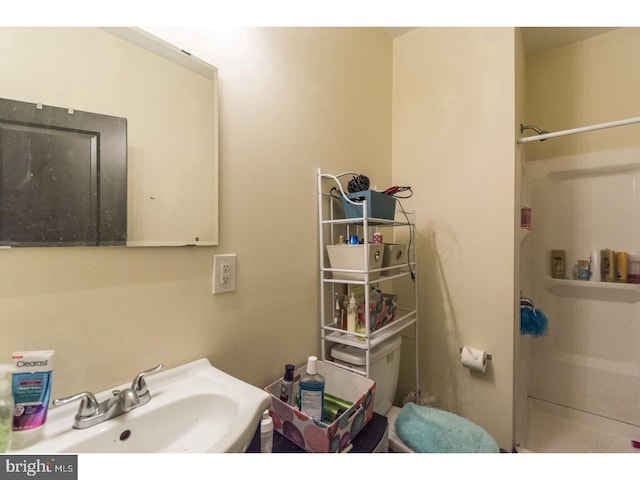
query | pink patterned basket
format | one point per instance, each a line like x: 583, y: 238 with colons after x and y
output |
x: 319, y: 437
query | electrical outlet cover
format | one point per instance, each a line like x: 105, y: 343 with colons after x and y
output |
x: 224, y: 273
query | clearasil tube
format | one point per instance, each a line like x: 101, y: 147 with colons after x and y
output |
x: 31, y: 386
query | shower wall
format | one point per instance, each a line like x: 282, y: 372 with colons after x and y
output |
x: 589, y: 363
x: 577, y: 388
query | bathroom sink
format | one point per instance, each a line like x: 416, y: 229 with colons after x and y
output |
x: 194, y: 408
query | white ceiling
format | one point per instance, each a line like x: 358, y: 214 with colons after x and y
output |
x: 539, y: 39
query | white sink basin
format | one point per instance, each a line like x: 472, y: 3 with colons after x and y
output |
x: 194, y: 408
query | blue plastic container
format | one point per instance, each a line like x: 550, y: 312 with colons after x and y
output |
x: 379, y: 205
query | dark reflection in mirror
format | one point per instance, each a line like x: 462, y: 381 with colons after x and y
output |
x: 169, y: 99
x: 63, y: 176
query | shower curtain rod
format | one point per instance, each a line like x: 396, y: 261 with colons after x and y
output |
x: 562, y: 133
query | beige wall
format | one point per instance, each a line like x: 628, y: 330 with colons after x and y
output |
x: 453, y: 142
x: 586, y: 83
x: 291, y: 100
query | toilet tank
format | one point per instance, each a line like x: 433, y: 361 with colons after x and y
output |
x: 384, y: 368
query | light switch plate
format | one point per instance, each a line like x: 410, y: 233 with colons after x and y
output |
x: 224, y: 273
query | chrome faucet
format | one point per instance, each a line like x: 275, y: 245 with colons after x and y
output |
x: 91, y: 412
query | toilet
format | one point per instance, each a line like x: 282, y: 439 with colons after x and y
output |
x: 384, y: 367
x: 419, y: 423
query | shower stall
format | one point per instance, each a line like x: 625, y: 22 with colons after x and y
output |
x: 578, y: 386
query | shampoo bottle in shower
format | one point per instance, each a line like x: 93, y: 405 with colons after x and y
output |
x: 594, y: 266
x: 312, y: 391
x: 607, y: 265
x: 558, y: 262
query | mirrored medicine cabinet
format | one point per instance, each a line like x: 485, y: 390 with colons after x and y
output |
x: 168, y: 100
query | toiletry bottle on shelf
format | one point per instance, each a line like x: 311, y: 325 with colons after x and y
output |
x: 312, y: 391
x: 607, y: 265
x: 621, y: 267
x: 595, y: 272
x: 6, y: 406
x: 581, y: 270
x: 286, y: 390
x: 266, y: 433
x: 345, y: 302
x: 558, y: 263
x: 361, y: 318
x: 360, y: 327
x: 634, y: 269
x: 352, y: 313
x: 337, y: 311
x: 375, y: 297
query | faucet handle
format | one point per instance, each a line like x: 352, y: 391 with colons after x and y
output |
x: 139, y: 386
x: 89, y: 406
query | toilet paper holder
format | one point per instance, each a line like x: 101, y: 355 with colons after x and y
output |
x: 488, y: 354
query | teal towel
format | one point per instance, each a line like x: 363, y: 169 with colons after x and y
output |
x: 430, y: 430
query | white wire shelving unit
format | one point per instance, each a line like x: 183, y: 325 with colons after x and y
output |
x: 332, y: 225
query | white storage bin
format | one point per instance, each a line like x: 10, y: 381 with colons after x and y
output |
x: 351, y: 257
x: 394, y: 254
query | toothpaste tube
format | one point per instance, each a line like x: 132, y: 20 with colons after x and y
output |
x: 31, y: 387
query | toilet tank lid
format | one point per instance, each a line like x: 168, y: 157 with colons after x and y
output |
x: 357, y: 356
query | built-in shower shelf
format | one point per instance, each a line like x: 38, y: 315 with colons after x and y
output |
x: 622, y: 292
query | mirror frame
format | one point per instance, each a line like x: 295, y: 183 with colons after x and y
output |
x: 154, y: 44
